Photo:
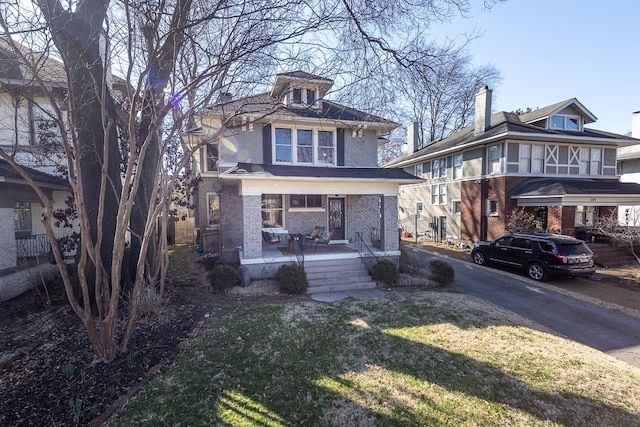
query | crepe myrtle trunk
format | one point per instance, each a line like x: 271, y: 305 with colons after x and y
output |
x: 77, y: 36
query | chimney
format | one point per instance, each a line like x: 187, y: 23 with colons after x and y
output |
x: 413, y: 136
x: 483, y: 110
x: 635, y: 125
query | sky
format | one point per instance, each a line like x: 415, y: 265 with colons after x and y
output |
x: 551, y: 50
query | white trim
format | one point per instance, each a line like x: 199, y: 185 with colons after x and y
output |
x: 315, y: 129
x: 316, y: 186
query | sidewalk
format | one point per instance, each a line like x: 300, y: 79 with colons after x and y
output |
x: 619, y: 286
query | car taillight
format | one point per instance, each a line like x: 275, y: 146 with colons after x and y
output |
x: 561, y: 257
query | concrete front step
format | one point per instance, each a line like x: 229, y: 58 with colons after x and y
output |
x: 337, y: 288
x: 337, y: 275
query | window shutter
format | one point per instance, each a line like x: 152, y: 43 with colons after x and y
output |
x: 266, y: 144
x: 340, y: 147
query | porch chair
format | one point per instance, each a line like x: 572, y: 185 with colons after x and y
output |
x: 325, y: 241
x: 315, y: 233
x: 270, y: 237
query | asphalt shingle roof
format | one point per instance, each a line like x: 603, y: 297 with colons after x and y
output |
x: 578, y: 186
x: 286, y: 171
x: 7, y: 172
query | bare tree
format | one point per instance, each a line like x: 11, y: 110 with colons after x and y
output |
x: 123, y: 153
x: 626, y: 236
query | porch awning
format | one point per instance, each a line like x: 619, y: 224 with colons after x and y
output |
x: 285, y: 179
x: 575, y: 192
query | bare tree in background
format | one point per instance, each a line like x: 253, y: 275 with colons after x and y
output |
x: 123, y: 156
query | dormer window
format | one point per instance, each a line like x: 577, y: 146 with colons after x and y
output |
x: 302, y: 97
x: 564, y: 122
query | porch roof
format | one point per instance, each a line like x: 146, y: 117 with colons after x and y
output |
x: 262, y: 171
x: 10, y: 175
x: 575, y: 192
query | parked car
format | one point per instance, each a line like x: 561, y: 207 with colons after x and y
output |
x: 540, y: 255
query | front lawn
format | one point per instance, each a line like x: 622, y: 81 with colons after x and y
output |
x: 411, y: 359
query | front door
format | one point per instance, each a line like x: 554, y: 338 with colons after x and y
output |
x: 336, y: 217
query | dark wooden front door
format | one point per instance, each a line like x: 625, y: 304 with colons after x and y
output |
x: 336, y: 217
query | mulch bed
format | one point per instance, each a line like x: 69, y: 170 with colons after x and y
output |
x: 48, y: 375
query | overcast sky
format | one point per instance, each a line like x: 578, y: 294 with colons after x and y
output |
x: 551, y: 50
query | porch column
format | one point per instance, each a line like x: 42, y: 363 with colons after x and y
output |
x: 389, y: 232
x: 252, y: 224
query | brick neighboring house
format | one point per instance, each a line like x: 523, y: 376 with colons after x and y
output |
x: 545, y: 161
x: 290, y: 160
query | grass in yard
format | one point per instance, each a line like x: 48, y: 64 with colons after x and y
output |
x: 407, y: 360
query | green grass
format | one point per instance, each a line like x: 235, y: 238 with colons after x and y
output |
x: 415, y: 360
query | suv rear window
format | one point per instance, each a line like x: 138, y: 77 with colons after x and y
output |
x: 573, y: 249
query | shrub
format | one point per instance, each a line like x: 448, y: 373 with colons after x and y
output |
x: 386, y: 272
x: 291, y: 279
x: 441, y: 272
x: 223, y: 277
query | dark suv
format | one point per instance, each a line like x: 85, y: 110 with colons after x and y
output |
x: 541, y: 255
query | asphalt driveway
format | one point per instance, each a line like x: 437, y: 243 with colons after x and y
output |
x: 591, y: 324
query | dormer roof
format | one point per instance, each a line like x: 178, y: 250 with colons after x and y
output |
x: 300, y: 79
x: 571, y: 105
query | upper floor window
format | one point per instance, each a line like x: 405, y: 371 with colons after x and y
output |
x: 419, y: 170
x: 302, y: 97
x: 457, y: 166
x: 590, y: 161
x: 531, y: 158
x: 304, y: 146
x: 565, y: 122
x: 494, y: 159
x: 439, y: 168
x: 212, y: 157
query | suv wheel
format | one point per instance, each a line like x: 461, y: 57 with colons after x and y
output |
x: 536, y: 271
x: 478, y: 257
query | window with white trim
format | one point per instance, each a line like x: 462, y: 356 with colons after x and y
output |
x: 492, y: 207
x: 419, y: 208
x: 22, y: 219
x: 272, y: 210
x: 438, y: 194
x: 213, y: 211
x: 419, y: 170
x: 563, y: 122
x: 305, y: 201
x: 211, y: 163
x: 494, y: 159
x: 311, y: 146
x: 456, y: 207
x: 590, y: 161
x: 439, y: 168
x: 457, y: 166
x: 300, y: 97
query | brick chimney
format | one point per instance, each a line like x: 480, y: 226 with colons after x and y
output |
x: 635, y: 125
x: 483, y: 110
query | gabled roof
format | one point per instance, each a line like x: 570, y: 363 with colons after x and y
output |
x: 8, y: 174
x: 541, y: 113
x: 511, y: 125
x: 14, y: 71
x: 255, y: 170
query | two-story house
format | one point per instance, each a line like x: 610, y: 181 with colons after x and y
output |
x: 629, y: 170
x: 29, y: 135
x: 545, y: 161
x: 290, y: 160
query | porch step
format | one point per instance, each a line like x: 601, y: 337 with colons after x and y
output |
x: 337, y: 275
x: 609, y: 256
